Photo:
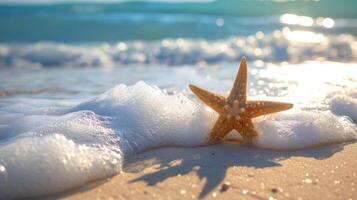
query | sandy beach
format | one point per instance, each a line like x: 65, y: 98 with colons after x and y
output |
x: 120, y: 99
x: 231, y: 171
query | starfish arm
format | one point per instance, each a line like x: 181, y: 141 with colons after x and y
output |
x: 246, y: 129
x: 258, y: 108
x: 235, y: 111
x: 216, y: 102
x: 220, y: 129
x: 239, y: 90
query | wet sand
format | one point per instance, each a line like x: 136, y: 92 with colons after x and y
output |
x: 231, y: 172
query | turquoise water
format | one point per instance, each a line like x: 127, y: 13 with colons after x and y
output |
x: 173, y: 34
x: 153, y: 21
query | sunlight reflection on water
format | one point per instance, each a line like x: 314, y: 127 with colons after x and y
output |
x: 292, y: 19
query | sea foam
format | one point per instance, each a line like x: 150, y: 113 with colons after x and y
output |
x: 301, y: 129
x: 32, y: 166
x: 46, y: 153
x: 144, y: 117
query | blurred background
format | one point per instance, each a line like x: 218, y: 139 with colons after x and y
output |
x: 76, y: 42
x: 48, y: 33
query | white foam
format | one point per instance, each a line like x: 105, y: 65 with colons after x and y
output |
x: 344, y: 103
x: 46, y: 153
x: 144, y: 117
x: 43, y: 154
x: 32, y: 166
x: 300, y: 129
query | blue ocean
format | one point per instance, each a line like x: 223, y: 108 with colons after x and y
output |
x: 116, y: 34
x: 85, y: 85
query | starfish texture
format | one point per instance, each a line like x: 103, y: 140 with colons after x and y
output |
x: 235, y: 112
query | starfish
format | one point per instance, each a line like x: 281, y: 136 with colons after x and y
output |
x: 235, y: 111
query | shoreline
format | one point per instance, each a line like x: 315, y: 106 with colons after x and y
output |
x: 226, y: 171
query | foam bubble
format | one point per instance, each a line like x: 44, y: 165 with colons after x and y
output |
x: 47, y: 154
x: 33, y: 166
x: 145, y: 117
x: 344, y: 103
x: 300, y: 129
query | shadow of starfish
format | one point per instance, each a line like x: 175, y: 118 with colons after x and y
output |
x: 211, y: 163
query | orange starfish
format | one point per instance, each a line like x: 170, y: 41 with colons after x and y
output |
x: 235, y: 112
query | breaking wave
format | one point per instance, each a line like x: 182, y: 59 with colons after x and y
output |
x: 281, y: 45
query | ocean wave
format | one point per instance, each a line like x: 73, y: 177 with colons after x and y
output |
x: 281, y: 45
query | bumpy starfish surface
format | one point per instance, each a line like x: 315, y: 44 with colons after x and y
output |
x: 235, y: 112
